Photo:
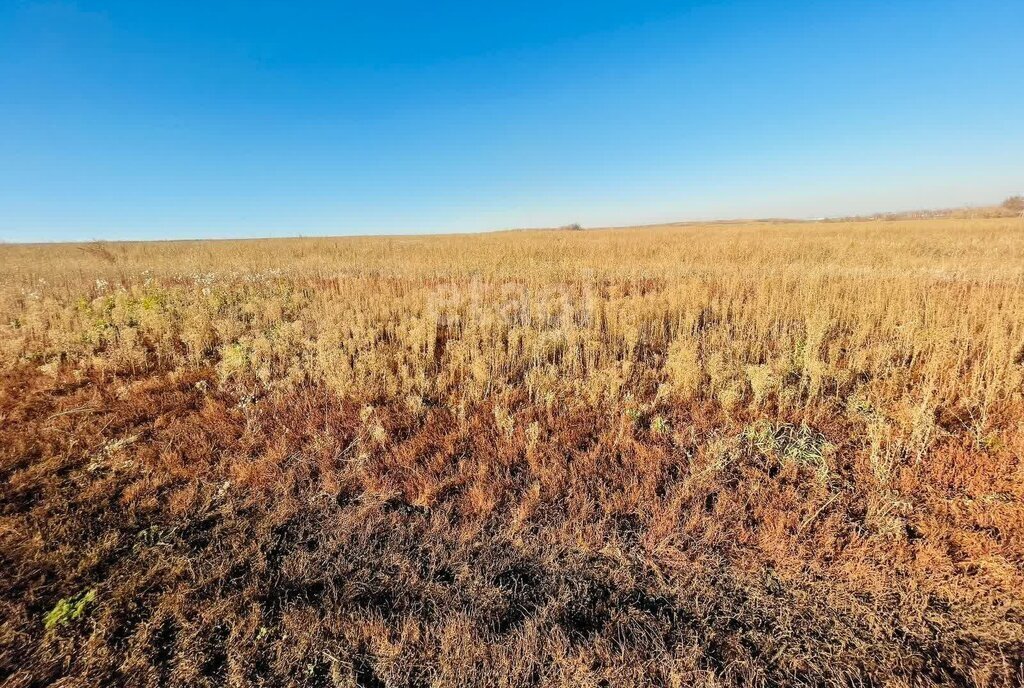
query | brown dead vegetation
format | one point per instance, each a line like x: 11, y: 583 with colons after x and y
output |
x: 810, y: 474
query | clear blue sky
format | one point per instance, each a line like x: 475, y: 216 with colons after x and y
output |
x: 150, y: 119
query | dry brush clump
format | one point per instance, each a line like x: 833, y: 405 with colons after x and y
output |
x: 768, y: 454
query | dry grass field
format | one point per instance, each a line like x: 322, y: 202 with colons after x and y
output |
x: 761, y: 454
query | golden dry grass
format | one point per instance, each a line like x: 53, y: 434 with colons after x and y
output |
x: 754, y: 454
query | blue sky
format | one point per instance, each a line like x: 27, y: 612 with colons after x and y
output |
x: 155, y: 120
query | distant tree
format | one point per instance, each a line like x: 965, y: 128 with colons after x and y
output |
x: 574, y: 227
x: 1014, y: 203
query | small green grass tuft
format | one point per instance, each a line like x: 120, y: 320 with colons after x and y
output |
x: 69, y: 609
x: 659, y: 426
x: 787, y: 442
